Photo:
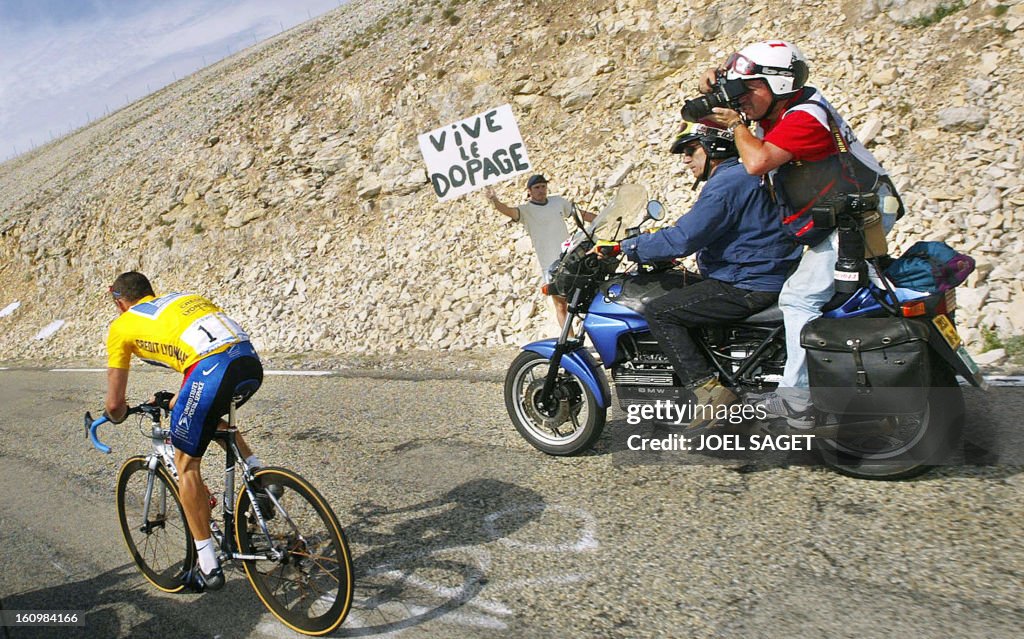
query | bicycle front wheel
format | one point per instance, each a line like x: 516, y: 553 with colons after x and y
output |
x: 309, y: 588
x: 160, y: 541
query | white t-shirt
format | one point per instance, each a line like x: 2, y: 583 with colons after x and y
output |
x: 546, y: 225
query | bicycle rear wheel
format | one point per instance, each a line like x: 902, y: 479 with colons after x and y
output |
x: 161, y: 543
x: 310, y: 588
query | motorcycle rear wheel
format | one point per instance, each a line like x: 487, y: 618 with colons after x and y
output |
x: 924, y: 440
x: 571, y: 427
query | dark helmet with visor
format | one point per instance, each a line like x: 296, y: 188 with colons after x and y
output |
x: 718, y: 144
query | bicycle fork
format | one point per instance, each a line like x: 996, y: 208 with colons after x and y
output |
x: 147, y: 524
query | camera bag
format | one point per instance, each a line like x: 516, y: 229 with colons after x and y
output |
x: 867, y: 365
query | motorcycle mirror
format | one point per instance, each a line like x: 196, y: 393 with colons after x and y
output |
x: 655, y: 210
x: 576, y: 216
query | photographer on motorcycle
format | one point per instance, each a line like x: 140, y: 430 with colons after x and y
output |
x: 817, y: 167
x: 743, y: 256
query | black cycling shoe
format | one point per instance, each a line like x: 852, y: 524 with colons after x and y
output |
x: 199, y: 581
x: 263, y: 501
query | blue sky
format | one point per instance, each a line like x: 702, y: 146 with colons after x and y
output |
x: 63, y: 61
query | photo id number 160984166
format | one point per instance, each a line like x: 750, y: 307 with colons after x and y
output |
x: 42, y: 618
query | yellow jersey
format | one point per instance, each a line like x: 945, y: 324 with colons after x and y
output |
x: 175, y: 330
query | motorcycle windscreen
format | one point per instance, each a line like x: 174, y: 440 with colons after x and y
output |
x: 611, y: 223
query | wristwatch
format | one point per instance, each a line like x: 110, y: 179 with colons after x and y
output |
x: 732, y: 127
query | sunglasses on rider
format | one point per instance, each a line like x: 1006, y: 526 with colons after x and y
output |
x: 114, y: 294
x: 743, y: 65
x: 689, y: 150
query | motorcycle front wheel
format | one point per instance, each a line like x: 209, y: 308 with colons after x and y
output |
x: 908, y: 445
x: 566, y: 426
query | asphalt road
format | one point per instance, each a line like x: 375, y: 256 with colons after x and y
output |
x: 460, y: 529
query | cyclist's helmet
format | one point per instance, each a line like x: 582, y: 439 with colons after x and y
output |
x: 779, y: 63
x: 718, y: 144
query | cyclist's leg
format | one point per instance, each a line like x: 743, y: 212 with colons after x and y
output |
x: 242, y: 378
x: 193, y: 423
x: 195, y: 500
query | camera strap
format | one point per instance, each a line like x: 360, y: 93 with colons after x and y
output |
x: 842, y: 146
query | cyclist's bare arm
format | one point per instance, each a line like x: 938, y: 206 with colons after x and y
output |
x: 116, y: 406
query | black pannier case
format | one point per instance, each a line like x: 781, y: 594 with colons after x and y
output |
x: 867, y: 365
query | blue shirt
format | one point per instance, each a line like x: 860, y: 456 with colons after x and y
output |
x: 735, y: 229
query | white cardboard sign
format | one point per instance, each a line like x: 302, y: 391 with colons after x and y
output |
x: 470, y: 154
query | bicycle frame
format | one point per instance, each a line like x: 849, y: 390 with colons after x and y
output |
x: 163, y: 453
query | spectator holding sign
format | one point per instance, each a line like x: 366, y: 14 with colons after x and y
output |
x: 544, y: 216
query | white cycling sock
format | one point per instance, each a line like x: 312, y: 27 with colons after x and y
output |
x: 207, y: 555
x: 253, y: 461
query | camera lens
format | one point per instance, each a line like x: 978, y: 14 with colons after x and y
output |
x: 697, y: 108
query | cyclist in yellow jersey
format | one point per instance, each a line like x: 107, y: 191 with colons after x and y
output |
x: 190, y: 334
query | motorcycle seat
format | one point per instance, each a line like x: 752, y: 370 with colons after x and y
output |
x: 770, y: 315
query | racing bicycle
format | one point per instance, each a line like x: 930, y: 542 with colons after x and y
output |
x: 288, y: 540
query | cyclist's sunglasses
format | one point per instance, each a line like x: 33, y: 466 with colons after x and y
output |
x: 743, y: 65
x: 114, y: 294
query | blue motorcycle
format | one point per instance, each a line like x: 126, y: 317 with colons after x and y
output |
x: 558, y: 395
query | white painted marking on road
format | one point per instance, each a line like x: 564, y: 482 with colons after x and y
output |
x: 78, y: 370
x: 300, y: 373
x: 459, y: 594
x: 481, y: 555
x: 461, y: 618
x: 586, y: 541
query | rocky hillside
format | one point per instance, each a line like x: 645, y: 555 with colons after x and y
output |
x: 286, y: 181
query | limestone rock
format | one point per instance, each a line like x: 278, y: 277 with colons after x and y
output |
x: 962, y: 118
x: 993, y: 357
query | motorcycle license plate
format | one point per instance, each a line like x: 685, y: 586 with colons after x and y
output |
x: 948, y: 332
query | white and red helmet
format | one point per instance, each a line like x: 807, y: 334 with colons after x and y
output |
x: 779, y: 63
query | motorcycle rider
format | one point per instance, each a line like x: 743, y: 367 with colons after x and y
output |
x: 809, y: 154
x: 743, y: 256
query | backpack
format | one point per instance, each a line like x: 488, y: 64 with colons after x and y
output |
x: 933, y: 267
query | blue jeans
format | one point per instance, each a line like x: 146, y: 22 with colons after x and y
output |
x: 700, y: 303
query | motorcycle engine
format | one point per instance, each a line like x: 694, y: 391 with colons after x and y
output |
x: 646, y: 376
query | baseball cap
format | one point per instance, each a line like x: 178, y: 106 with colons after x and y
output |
x: 536, y: 179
